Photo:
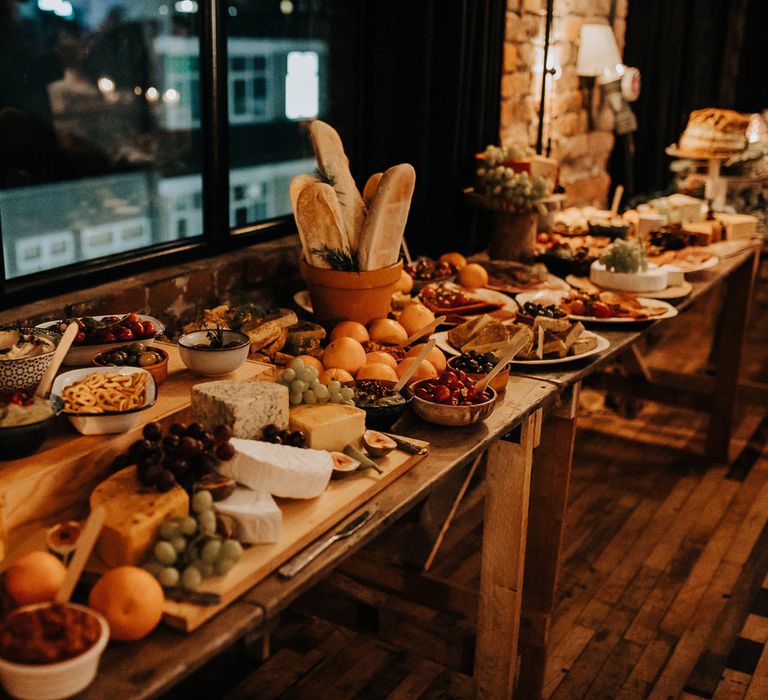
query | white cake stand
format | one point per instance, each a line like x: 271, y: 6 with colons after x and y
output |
x: 716, y: 188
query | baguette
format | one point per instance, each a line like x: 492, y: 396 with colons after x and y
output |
x: 319, y: 215
x: 384, y: 226
x: 297, y: 185
x: 369, y: 191
x: 334, y: 164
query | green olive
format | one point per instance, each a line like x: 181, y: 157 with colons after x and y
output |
x: 136, y: 348
x: 147, y: 358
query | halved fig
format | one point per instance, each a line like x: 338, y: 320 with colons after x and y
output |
x: 343, y: 465
x: 219, y: 486
x: 378, y: 444
x: 62, y: 537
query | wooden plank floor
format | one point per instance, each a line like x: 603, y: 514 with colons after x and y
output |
x: 663, y: 591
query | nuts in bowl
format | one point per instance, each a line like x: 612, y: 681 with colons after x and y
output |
x: 452, y: 399
x: 478, y: 364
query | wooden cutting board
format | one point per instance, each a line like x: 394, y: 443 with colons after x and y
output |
x: 303, y: 522
x: 55, y: 483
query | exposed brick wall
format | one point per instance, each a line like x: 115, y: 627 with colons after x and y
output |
x: 583, y: 154
x: 265, y: 273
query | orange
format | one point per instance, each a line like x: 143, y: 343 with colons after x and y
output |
x: 34, y: 578
x: 310, y: 361
x: 435, y: 356
x: 473, y: 276
x: 340, y: 375
x: 387, y: 332
x: 344, y: 353
x: 456, y: 259
x: 415, y: 317
x: 380, y: 356
x: 405, y: 283
x: 131, y: 599
x: 426, y: 370
x: 350, y: 329
x: 378, y: 370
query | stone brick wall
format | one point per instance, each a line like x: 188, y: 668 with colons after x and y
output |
x: 265, y: 273
x: 583, y: 154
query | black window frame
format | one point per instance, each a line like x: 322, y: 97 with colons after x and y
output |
x: 217, y: 237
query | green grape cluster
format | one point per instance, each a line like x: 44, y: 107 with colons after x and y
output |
x: 188, y: 549
x: 518, y: 192
x: 305, y: 387
x: 624, y: 256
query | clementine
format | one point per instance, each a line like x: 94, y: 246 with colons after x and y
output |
x: 34, y: 578
x: 131, y: 599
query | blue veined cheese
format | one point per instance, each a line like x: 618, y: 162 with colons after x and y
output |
x: 246, y: 407
x: 284, y: 471
x: 256, y: 516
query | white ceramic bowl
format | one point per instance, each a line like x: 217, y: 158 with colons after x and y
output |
x: 81, y: 355
x: 59, y: 680
x: 213, y: 362
x: 111, y: 421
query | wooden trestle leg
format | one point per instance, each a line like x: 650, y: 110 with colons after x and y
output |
x: 501, y: 580
x: 546, y: 522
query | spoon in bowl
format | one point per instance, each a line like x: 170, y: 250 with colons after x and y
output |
x: 512, y: 349
x: 414, y: 366
x: 58, y: 357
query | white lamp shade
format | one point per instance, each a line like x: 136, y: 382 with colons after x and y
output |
x: 598, y: 51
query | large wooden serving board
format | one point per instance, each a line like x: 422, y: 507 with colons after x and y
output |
x: 303, y: 522
x: 56, y: 482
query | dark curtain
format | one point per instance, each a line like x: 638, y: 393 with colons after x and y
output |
x: 429, y: 75
x: 691, y: 55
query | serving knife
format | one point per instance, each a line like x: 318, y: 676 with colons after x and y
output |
x: 407, y: 446
x: 293, y: 567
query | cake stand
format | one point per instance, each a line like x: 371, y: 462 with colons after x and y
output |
x: 716, y: 187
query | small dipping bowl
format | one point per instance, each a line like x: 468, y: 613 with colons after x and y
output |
x: 213, y: 362
x: 443, y: 414
x: 499, y: 382
x: 382, y: 418
x: 17, y: 441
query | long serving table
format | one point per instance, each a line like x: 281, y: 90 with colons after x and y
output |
x: 529, y: 442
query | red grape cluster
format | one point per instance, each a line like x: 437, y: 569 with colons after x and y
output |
x: 183, y: 456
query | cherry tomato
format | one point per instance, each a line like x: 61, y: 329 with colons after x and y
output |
x: 108, y: 337
x: 422, y: 393
x: 442, y: 394
x: 577, y: 307
x: 79, y: 338
x: 126, y: 333
x: 149, y: 329
x: 601, y: 310
x: 131, y: 318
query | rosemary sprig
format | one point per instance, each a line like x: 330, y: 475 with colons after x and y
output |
x: 344, y: 260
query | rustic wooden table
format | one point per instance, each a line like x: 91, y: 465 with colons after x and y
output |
x: 529, y: 442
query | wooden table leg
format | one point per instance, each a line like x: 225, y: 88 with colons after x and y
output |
x: 501, y: 579
x: 730, y: 344
x: 546, y: 522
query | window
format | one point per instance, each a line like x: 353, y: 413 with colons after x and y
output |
x: 110, y: 143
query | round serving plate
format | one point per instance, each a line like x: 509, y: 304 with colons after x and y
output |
x: 678, y: 291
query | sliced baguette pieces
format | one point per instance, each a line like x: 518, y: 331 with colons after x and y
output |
x: 334, y: 164
x: 382, y: 233
x: 319, y: 216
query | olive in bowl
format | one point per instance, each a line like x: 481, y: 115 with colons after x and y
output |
x: 452, y: 399
x: 213, y: 353
x: 150, y: 358
x: 381, y: 404
x: 478, y: 364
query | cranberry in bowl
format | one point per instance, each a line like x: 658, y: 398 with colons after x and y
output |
x: 215, y: 352
x: 50, y: 651
x: 452, y: 399
x: 25, y: 421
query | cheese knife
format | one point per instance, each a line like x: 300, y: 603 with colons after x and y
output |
x: 294, y: 567
x: 407, y: 446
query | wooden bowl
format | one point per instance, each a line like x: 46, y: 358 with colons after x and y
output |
x: 455, y: 416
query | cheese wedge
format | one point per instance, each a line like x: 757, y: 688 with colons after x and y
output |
x: 256, y: 517
x: 287, y: 472
x: 133, y: 515
x: 383, y: 230
x: 369, y: 191
x: 333, y: 163
x: 319, y: 215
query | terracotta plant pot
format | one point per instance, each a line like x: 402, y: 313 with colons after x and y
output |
x: 513, y: 237
x: 350, y: 296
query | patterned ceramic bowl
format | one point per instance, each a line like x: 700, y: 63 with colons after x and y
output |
x: 26, y: 373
